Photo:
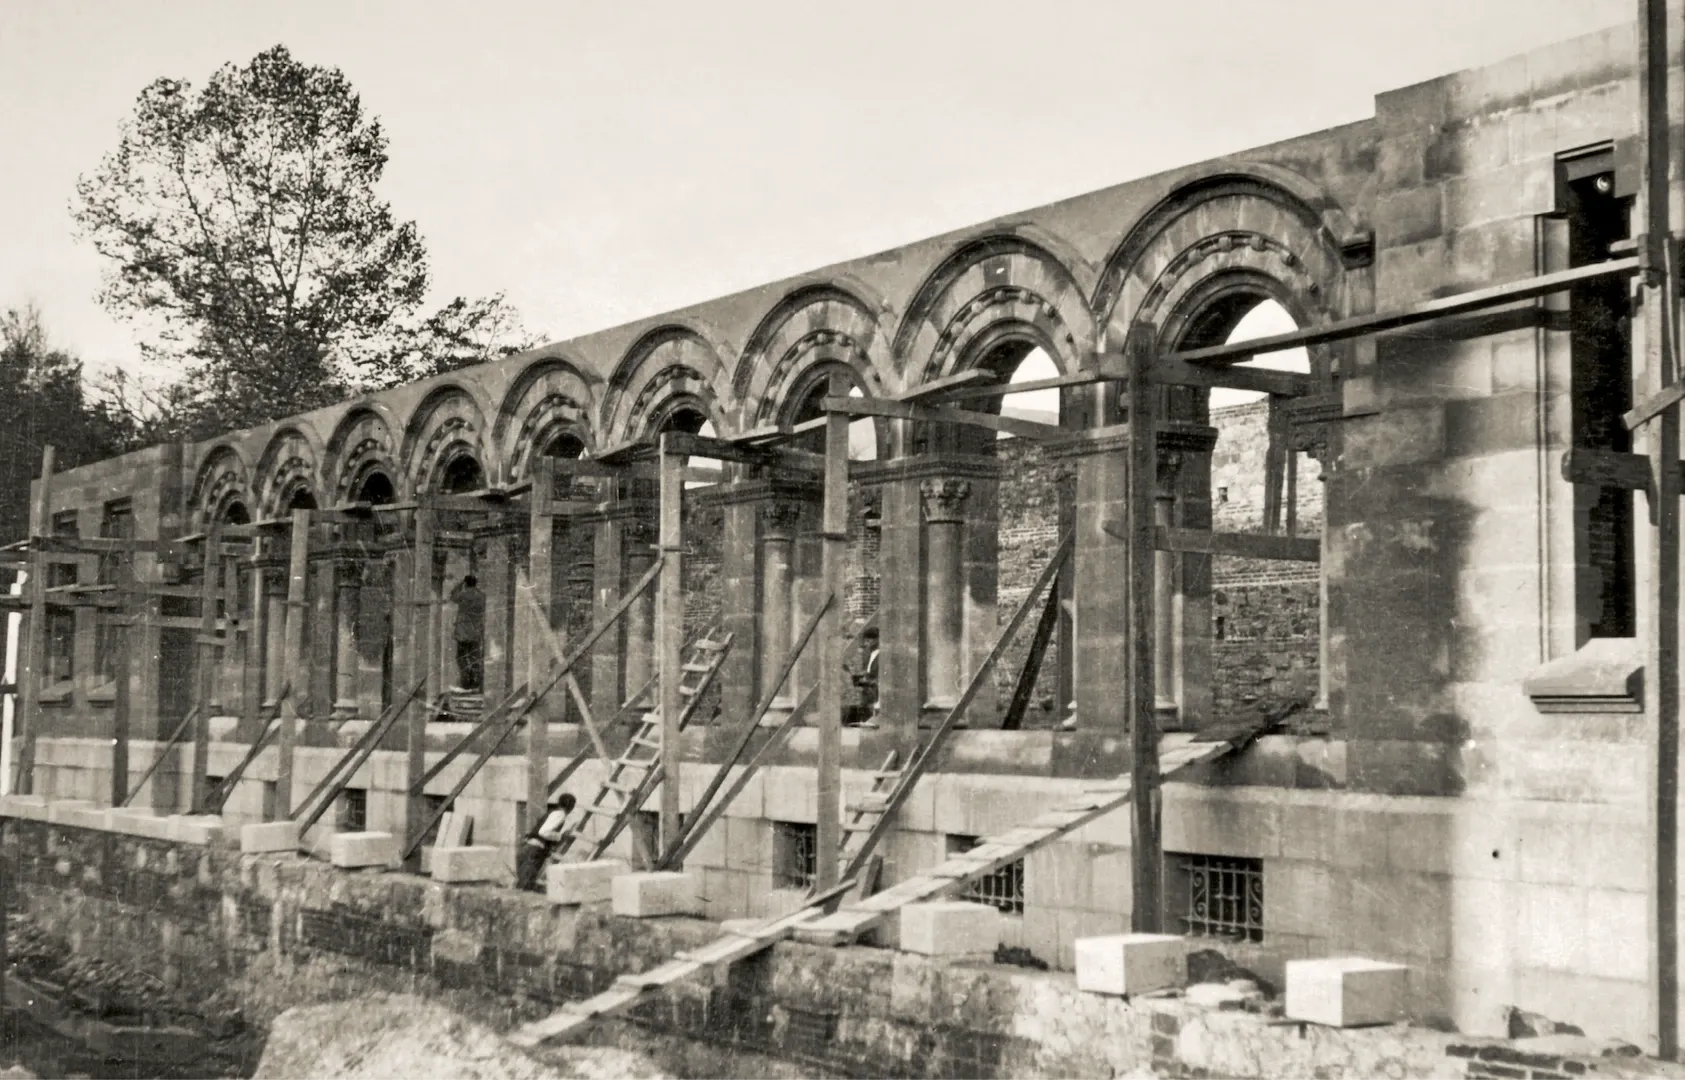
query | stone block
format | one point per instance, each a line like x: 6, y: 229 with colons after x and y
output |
x: 268, y: 837
x: 583, y: 882
x: 138, y: 821
x: 950, y: 928
x: 654, y: 895
x: 26, y: 807
x: 1346, y: 991
x: 200, y: 829
x: 352, y: 850
x: 69, y: 812
x: 1131, y: 963
x: 460, y: 865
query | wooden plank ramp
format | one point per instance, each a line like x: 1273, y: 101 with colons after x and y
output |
x: 845, y: 926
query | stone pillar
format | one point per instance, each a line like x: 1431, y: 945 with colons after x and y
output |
x: 740, y: 604
x: 944, y: 622
x: 347, y: 585
x: 1099, y: 578
x: 640, y: 617
x: 608, y: 569
x: 274, y: 632
x: 1165, y: 652
x: 494, y: 649
x: 778, y: 519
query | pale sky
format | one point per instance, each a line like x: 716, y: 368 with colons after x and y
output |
x: 605, y: 161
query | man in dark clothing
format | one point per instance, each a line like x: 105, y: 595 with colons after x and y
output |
x: 470, y: 630
x: 541, y: 841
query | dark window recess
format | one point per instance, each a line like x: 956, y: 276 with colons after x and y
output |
x: 1218, y: 896
x: 118, y: 523
x: 795, y: 850
x: 269, y: 800
x: 432, y: 804
x: 1003, y: 889
x: 354, y: 810
x: 61, y: 644
x: 1600, y: 342
x: 65, y: 527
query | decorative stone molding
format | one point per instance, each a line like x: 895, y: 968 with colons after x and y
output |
x: 1605, y: 675
x: 926, y: 466
x: 779, y: 518
x: 944, y: 500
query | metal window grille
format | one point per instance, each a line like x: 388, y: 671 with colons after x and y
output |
x: 1003, y: 889
x: 353, y: 810
x: 1225, y: 896
x: 795, y: 855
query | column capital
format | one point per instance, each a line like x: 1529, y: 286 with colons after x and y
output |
x: 944, y: 499
x: 779, y: 518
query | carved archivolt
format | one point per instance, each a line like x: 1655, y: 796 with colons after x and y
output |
x: 818, y: 325
x: 667, y: 363
x: 362, y: 444
x: 986, y: 287
x: 288, y: 465
x: 221, y: 480
x: 549, y: 399
x: 446, y: 425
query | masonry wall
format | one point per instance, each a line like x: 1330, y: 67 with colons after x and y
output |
x: 280, y: 931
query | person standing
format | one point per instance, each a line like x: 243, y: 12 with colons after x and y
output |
x: 470, y: 633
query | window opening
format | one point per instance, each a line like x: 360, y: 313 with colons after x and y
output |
x: 354, y: 810
x: 1003, y: 889
x: 1217, y: 896
x: 795, y: 850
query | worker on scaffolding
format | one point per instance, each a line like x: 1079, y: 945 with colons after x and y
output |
x: 538, y: 845
x: 470, y: 633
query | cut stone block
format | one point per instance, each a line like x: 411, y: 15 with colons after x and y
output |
x: 1346, y: 991
x: 655, y: 895
x: 68, y: 812
x: 1131, y: 963
x: 460, y: 865
x: 269, y: 836
x: 352, y: 850
x: 201, y: 829
x: 950, y: 928
x: 28, y: 807
x: 583, y: 882
x: 138, y: 821
x: 455, y: 829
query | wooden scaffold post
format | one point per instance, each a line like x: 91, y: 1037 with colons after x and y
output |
x: 1147, y: 908
x: 670, y: 634
x: 292, y: 661
x: 34, y: 632
x: 833, y: 554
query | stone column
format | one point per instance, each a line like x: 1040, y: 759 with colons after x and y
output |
x: 778, y: 519
x: 347, y: 583
x: 944, y: 623
x: 1099, y: 580
x: 494, y: 648
x: 640, y: 617
x: 275, y: 674
x: 1164, y: 620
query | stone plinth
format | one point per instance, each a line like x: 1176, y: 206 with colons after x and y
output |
x: 461, y: 865
x: 1131, y: 963
x: 950, y: 928
x: 26, y: 807
x: 69, y: 812
x: 583, y: 882
x: 353, y: 850
x: 269, y: 836
x: 137, y: 821
x: 655, y: 895
x: 200, y: 829
x: 1346, y: 991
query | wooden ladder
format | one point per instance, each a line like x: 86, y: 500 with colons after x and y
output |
x: 634, y: 774
x: 811, y: 923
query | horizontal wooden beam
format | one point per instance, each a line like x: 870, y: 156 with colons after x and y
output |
x: 997, y: 390
x: 946, y: 382
x: 1235, y: 545
x: 944, y: 414
x: 770, y: 457
x: 1427, y: 311
x: 1611, y: 469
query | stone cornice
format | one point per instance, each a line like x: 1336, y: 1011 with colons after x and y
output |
x: 930, y: 466
x: 1173, y: 437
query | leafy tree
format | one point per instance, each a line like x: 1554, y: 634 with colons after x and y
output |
x: 246, y: 238
x: 462, y: 333
x: 42, y: 401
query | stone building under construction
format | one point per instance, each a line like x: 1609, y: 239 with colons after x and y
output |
x: 1412, y: 590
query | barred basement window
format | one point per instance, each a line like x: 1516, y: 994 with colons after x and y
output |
x: 1218, y: 896
x: 795, y: 851
x: 1003, y: 889
x: 432, y: 804
x: 354, y: 810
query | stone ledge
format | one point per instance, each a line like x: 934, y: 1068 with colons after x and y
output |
x: 1604, y: 675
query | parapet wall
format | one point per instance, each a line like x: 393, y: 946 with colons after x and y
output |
x: 282, y: 931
